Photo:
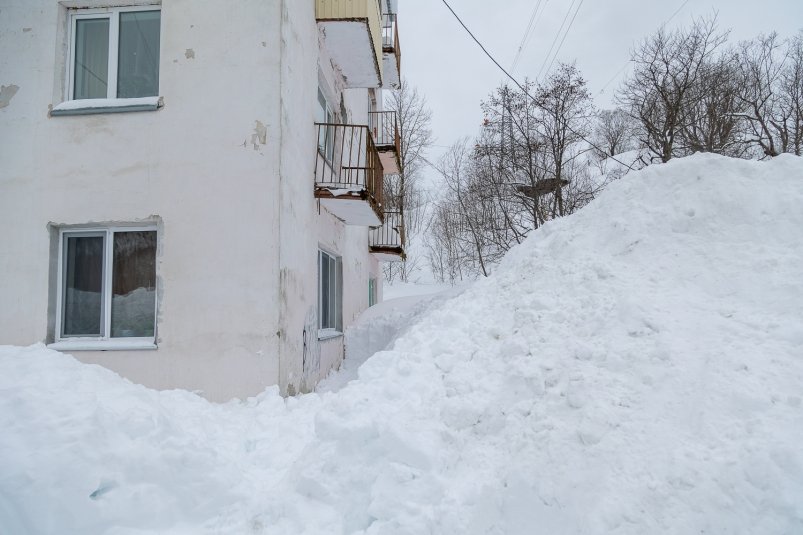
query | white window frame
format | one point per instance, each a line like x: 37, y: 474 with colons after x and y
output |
x: 331, y: 332
x: 105, y: 341
x: 113, y: 14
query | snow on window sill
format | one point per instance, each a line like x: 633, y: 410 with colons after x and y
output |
x: 120, y: 344
x: 328, y: 334
x: 107, y: 105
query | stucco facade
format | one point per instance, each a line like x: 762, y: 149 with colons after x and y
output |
x: 223, y: 170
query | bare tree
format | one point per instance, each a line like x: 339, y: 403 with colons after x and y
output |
x: 711, y: 121
x: 566, y: 106
x: 403, y: 191
x: 460, y: 220
x: 614, y: 132
x: 524, y: 170
x: 791, y: 88
x: 761, y: 69
x: 668, y: 66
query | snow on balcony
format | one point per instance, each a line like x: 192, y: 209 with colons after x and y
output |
x: 349, y: 174
x: 352, y: 34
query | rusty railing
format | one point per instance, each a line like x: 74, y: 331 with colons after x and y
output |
x: 385, y: 129
x: 390, y: 236
x: 347, y: 161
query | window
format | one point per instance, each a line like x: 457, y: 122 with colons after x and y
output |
x: 114, y: 53
x: 371, y: 292
x: 326, y: 145
x: 330, y: 293
x: 107, y: 286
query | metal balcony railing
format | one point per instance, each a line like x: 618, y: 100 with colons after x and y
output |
x: 390, y: 31
x: 385, y: 129
x: 390, y: 37
x: 347, y: 163
x: 389, y: 238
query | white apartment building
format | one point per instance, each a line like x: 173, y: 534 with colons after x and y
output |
x: 191, y: 191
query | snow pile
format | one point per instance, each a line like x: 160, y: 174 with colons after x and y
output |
x: 84, y: 451
x: 635, y: 368
x: 380, y: 326
x: 602, y: 172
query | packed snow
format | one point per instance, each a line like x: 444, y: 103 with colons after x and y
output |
x: 634, y: 368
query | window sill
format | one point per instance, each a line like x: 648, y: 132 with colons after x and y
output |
x: 328, y: 334
x: 103, y: 345
x: 106, y: 105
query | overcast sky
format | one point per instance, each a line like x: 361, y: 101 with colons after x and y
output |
x: 444, y: 63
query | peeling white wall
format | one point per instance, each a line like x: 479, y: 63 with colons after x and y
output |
x: 226, y: 165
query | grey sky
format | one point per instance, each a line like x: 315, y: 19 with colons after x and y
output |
x: 440, y: 59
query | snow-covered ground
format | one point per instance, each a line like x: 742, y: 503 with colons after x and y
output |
x: 634, y: 368
x: 379, y: 326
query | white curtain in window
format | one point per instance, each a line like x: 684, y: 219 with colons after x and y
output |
x: 83, y: 285
x: 91, y: 58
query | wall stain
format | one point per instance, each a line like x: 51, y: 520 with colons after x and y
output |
x: 260, y: 135
x: 7, y: 92
x: 26, y: 30
x: 189, y: 53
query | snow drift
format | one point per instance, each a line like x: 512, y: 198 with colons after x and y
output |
x: 635, y: 368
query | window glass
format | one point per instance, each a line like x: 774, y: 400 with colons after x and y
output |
x: 325, y: 134
x: 332, y: 294
x: 91, y: 58
x: 339, y: 294
x: 108, y: 284
x: 324, y: 276
x: 83, y: 286
x: 320, y: 114
x: 133, y: 284
x: 330, y: 284
x: 138, y: 57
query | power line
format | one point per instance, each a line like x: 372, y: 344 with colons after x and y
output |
x: 527, y: 32
x: 523, y: 89
x: 675, y: 14
x: 564, y: 38
x: 555, y: 40
x: 540, y: 16
x: 663, y: 24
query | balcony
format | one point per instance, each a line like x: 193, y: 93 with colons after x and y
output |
x: 387, y: 242
x: 349, y: 174
x: 391, y: 53
x: 352, y: 35
x: 385, y: 131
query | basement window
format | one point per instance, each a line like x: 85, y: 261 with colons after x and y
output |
x: 114, y: 60
x: 106, y: 295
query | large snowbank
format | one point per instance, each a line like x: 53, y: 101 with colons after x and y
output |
x: 635, y: 368
x: 379, y: 327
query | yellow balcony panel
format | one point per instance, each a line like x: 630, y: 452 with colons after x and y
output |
x: 352, y: 36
